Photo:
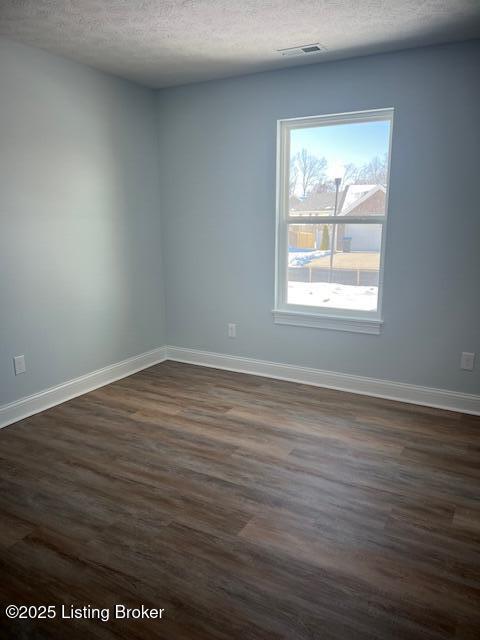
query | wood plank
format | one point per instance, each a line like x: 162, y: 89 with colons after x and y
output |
x: 247, y: 508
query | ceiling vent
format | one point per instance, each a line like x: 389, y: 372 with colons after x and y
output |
x: 303, y: 50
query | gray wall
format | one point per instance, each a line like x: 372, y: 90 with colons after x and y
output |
x: 218, y: 205
x: 81, y: 206
x: 80, y: 271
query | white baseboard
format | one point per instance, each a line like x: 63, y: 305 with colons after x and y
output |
x: 426, y: 396
x: 37, y: 402
x: 413, y: 394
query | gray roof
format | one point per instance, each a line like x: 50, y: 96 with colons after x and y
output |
x: 317, y: 201
x: 324, y: 202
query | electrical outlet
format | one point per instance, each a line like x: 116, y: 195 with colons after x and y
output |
x: 232, y: 330
x: 19, y: 365
x: 467, y: 361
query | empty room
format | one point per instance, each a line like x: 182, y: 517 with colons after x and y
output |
x: 239, y: 320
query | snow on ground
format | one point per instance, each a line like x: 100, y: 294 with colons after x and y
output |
x: 302, y: 258
x: 338, y: 296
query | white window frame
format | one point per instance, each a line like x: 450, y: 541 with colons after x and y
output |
x: 309, y: 316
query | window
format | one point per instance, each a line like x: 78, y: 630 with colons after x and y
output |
x: 332, y: 208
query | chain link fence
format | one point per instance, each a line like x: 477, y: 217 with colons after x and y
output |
x: 358, y: 277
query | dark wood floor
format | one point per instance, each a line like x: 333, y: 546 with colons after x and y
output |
x: 246, y: 508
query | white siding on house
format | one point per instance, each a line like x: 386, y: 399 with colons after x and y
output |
x: 365, y: 237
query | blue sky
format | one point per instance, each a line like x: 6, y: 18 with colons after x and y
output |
x: 341, y: 144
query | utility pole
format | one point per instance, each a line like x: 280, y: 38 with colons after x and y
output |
x: 334, y: 227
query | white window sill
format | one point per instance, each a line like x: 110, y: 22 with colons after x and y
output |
x: 321, y: 321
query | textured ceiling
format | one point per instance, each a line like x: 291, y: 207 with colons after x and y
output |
x: 166, y: 42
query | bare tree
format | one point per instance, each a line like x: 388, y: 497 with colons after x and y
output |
x: 311, y: 170
x: 293, y: 177
x: 350, y: 175
x: 374, y: 171
x: 324, y: 185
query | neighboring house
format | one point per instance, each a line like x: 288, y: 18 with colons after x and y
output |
x: 362, y: 200
x: 354, y: 200
x: 316, y: 204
